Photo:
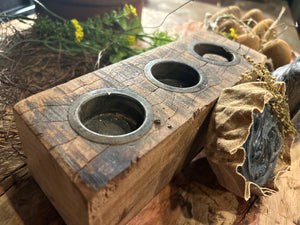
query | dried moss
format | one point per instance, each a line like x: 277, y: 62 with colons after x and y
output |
x: 279, y: 102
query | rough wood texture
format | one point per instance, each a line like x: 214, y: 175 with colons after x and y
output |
x: 93, y: 183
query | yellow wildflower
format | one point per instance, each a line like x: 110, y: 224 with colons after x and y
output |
x: 131, y: 40
x: 130, y: 9
x: 127, y: 8
x: 78, y: 30
x: 232, y: 33
x: 133, y: 10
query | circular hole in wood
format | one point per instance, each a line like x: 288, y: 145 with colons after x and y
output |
x: 111, y: 116
x: 175, y: 76
x: 214, y: 53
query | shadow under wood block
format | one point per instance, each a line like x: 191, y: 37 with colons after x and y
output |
x: 103, y: 145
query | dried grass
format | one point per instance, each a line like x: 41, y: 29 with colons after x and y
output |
x: 26, y: 69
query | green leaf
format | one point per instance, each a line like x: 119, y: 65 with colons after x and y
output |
x: 122, y: 22
x: 135, y: 26
x: 117, y: 57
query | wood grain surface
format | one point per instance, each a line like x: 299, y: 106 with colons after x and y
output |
x: 94, y: 183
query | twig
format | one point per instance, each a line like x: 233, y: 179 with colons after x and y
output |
x: 274, y: 23
x: 49, y: 11
x: 6, y: 57
x: 100, y: 54
x: 162, y: 22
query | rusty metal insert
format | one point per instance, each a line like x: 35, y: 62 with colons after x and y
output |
x: 214, y: 53
x: 111, y: 116
x: 175, y: 76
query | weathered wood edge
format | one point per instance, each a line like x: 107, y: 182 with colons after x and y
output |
x: 55, y: 180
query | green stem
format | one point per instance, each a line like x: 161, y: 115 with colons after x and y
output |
x: 141, y: 37
x: 49, y: 11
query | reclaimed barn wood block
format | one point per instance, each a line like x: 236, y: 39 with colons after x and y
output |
x: 103, y: 145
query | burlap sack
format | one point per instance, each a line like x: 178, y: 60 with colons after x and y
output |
x: 229, y: 128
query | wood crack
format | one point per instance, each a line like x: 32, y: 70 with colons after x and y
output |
x: 14, y: 178
x: 53, y: 147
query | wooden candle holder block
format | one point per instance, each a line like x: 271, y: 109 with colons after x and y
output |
x: 98, y: 182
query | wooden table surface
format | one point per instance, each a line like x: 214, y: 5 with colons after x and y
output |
x: 23, y: 203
